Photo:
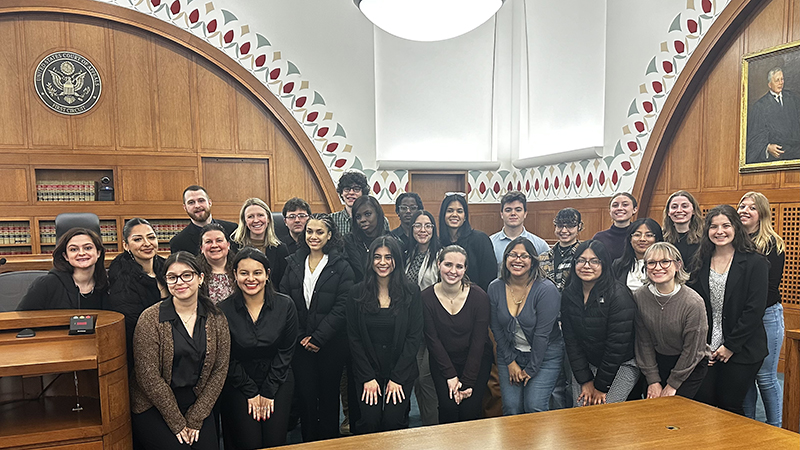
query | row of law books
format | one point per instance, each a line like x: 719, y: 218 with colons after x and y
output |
x: 65, y: 191
x: 166, y: 229
x: 15, y: 233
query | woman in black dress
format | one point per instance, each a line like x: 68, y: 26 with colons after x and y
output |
x: 384, y: 324
x: 257, y: 230
x: 318, y: 278
x: 683, y: 225
x: 454, y: 228
x: 257, y: 397
x: 367, y: 224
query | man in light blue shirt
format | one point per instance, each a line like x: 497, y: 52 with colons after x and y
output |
x: 513, y: 211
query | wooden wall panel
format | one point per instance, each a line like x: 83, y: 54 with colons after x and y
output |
x: 155, y: 184
x: 683, y: 147
x: 768, y: 27
x: 214, y: 97
x: 663, y: 177
x: 720, y: 136
x: 431, y: 187
x: 175, y: 107
x: 133, y: 81
x: 232, y: 180
x: 288, y: 184
x: 95, y: 128
x: 15, y: 184
x: 254, y: 127
x: 13, y: 104
x: 42, y: 36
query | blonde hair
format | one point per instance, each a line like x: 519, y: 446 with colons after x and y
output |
x: 695, y: 232
x: 765, y: 233
x: 242, y: 235
x: 670, y: 251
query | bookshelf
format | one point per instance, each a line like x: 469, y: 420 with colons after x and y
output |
x: 15, y: 237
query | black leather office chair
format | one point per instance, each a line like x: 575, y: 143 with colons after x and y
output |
x: 67, y: 221
x: 280, y: 226
x: 14, y: 285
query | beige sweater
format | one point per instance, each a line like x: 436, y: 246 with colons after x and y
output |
x: 153, y: 352
x: 679, y: 328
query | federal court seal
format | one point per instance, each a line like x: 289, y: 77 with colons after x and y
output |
x: 67, y: 83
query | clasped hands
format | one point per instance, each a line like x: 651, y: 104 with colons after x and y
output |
x: 306, y: 343
x: 722, y: 354
x: 188, y: 436
x: 516, y: 375
x: 261, y: 408
x: 590, y: 395
x: 456, y: 394
x: 655, y: 390
x: 372, y: 390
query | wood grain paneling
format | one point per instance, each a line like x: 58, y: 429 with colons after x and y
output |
x: 232, y: 180
x: 95, y: 128
x: 253, y: 124
x: 791, y: 178
x: 15, y: 184
x: 155, y: 184
x: 13, y: 104
x: 431, y: 187
x: 133, y: 80
x: 287, y: 184
x: 767, y: 28
x: 175, y: 108
x: 43, y: 35
x: 684, y: 148
x: 214, y: 96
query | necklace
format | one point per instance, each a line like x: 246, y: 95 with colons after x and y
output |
x: 186, y: 322
x: 452, y: 300
x: 664, y: 305
x: 514, y: 297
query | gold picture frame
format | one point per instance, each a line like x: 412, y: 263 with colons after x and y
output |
x: 770, y: 124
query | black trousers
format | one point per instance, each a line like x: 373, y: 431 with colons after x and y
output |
x: 383, y: 416
x: 470, y: 408
x: 239, y: 429
x: 317, y: 377
x: 152, y: 433
x: 726, y: 384
x: 690, y: 385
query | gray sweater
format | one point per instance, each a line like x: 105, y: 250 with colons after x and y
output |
x: 679, y: 328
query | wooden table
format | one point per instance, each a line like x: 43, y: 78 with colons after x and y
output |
x: 671, y: 422
x: 791, y: 382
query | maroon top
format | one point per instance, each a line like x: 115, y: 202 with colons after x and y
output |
x: 458, y: 340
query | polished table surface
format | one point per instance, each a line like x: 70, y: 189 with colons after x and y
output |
x: 670, y: 422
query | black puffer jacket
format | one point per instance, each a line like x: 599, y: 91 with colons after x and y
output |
x: 326, y: 317
x: 598, y: 333
x: 132, y: 291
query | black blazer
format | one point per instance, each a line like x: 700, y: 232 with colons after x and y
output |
x: 743, y: 308
x: 405, y: 344
x: 326, y: 318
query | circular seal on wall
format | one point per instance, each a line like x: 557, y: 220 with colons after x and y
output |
x: 67, y: 83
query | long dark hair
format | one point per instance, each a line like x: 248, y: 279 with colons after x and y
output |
x: 259, y: 257
x: 335, y: 242
x: 695, y: 232
x: 61, y: 264
x: 201, y: 258
x: 433, y: 245
x: 604, y: 284
x: 465, y: 228
x: 360, y: 202
x: 624, y: 263
x: 741, y: 241
x: 535, y: 272
x: 202, y: 292
x: 400, y: 289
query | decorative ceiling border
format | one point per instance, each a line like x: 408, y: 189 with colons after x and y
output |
x: 597, y: 177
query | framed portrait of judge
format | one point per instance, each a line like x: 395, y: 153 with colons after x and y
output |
x: 770, y: 109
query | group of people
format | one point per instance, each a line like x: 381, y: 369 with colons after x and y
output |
x: 240, y: 327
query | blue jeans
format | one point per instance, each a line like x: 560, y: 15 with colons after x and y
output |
x: 535, y: 396
x: 767, y: 377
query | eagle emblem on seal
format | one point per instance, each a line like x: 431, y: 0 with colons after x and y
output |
x: 67, y: 83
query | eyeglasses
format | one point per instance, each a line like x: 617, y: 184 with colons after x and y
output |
x: 408, y: 208
x: 593, y: 263
x: 520, y: 256
x: 419, y: 226
x: 638, y: 235
x: 460, y: 194
x: 355, y: 189
x: 565, y: 225
x: 185, y: 277
x: 664, y: 263
x: 293, y: 217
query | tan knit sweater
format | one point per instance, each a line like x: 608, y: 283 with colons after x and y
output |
x: 153, y: 352
x: 679, y: 328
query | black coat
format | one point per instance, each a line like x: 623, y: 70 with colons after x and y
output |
x: 743, y: 307
x: 57, y: 290
x: 599, y: 332
x: 188, y: 239
x: 326, y: 318
x: 356, y: 252
x: 131, y: 291
x: 405, y: 344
